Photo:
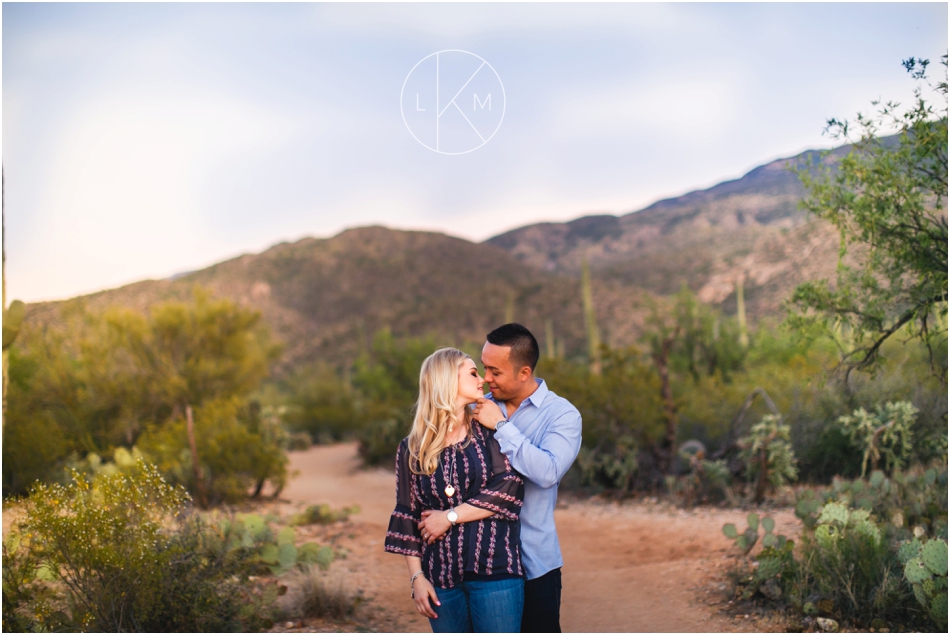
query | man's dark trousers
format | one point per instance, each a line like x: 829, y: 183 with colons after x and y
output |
x: 542, y: 604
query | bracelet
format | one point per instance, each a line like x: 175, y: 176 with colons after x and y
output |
x: 412, y: 591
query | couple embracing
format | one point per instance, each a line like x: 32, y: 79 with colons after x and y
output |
x: 476, y: 486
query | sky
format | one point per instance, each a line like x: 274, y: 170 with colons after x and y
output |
x: 144, y: 140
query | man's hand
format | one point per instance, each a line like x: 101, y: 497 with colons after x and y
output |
x: 434, y: 525
x: 488, y: 413
x: 423, y: 593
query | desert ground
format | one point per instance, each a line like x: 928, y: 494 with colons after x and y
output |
x: 628, y: 567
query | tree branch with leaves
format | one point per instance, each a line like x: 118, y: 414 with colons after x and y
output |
x: 888, y: 200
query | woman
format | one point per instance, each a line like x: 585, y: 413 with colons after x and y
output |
x: 470, y: 578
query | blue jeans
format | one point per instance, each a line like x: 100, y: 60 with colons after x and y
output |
x: 480, y: 606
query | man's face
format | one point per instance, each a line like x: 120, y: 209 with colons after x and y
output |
x: 500, y: 375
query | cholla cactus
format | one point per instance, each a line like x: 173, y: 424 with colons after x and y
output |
x: 767, y: 451
x: 925, y: 568
x: 885, y: 432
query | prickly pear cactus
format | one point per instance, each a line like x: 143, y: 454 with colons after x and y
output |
x: 926, y: 571
x: 748, y: 538
x: 278, y: 554
x: 834, y: 514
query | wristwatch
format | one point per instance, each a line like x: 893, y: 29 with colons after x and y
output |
x: 501, y: 423
x: 452, y: 515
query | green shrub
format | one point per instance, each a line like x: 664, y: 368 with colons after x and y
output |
x: 321, y: 404
x: 299, y: 441
x: 236, y: 459
x: 379, y: 439
x: 913, y: 498
x: 848, y: 562
x: 118, y: 554
x: 323, y: 514
x: 621, y: 410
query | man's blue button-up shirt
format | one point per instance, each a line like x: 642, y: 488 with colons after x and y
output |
x: 541, y: 441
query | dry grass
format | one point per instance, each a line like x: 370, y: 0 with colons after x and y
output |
x: 313, y: 593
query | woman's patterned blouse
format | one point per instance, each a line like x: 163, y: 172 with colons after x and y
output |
x: 484, y: 478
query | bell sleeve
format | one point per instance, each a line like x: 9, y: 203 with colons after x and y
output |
x: 504, y: 492
x: 403, y: 535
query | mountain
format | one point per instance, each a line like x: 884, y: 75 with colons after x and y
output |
x: 325, y: 298
x: 750, y: 228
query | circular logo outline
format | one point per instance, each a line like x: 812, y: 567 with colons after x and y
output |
x: 504, y: 102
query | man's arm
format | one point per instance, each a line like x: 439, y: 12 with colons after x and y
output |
x: 544, y: 464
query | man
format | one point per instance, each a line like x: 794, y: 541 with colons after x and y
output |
x: 540, y: 433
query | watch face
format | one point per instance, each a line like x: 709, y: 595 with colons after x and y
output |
x: 452, y: 516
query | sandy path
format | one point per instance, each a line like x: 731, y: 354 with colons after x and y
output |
x: 628, y: 568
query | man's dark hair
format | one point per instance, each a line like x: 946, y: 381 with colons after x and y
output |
x: 524, y: 348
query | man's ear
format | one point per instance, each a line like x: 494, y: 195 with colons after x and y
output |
x: 524, y: 373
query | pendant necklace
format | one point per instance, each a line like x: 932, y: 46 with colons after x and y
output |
x: 449, y: 489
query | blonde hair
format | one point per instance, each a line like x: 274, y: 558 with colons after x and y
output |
x: 435, y: 410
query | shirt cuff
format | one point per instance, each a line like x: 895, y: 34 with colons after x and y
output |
x: 509, y: 438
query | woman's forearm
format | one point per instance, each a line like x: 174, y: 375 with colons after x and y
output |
x: 414, y: 563
x: 469, y: 513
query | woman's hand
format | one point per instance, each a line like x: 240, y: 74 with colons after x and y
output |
x: 434, y: 525
x: 423, y: 591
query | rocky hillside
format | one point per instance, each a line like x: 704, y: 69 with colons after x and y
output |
x: 751, y: 228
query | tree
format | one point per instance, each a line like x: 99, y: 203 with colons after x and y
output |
x: 692, y: 338
x: 888, y: 199
x: 93, y: 382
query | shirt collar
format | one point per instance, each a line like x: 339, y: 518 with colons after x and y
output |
x: 536, y: 398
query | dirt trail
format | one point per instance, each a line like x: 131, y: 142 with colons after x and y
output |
x: 627, y: 568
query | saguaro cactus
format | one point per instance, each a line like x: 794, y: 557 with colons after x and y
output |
x: 549, y: 349
x: 590, y: 319
x: 740, y: 312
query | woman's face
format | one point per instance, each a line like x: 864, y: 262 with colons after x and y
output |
x: 470, y: 384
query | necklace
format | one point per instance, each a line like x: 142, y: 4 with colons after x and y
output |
x: 449, y: 486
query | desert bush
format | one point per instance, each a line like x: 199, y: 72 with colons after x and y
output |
x: 907, y: 499
x: 848, y: 562
x: 120, y: 554
x: 322, y: 404
x: 92, y: 382
x: 849, y: 566
x: 379, y: 438
x: 387, y: 379
x: 323, y: 514
x: 299, y: 441
x: 621, y: 411
x: 236, y: 453
x: 315, y: 592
